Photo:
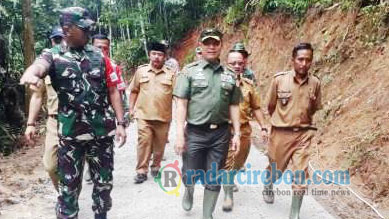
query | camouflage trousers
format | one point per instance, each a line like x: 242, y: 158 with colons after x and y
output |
x: 72, y: 155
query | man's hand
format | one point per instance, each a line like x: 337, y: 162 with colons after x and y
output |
x: 180, y: 146
x: 265, y: 136
x: 131, y: 113
x: 30, y: 134
x: 235, y: 146
x: 30, y: 79
x: 120, y: 135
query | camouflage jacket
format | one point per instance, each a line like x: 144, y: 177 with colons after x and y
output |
x: 78, y: 76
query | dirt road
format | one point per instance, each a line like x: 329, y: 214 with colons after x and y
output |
x: 149, y: 201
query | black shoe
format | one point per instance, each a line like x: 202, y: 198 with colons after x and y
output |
x: 140, y: 178
x: 101, y: 216
x: 154, y: 173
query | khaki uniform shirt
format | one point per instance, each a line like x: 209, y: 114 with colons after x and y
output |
x: 52, y: 98
x: 210, y: 89
x: 292, y: 104
x: 251, y: 99
x: 154, y: 88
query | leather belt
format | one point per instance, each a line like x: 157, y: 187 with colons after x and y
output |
x: 208, y: 126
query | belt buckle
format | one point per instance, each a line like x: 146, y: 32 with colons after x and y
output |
x: 296, y: 129
x: 213, y: 126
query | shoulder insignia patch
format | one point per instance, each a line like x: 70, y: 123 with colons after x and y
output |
x: 192, y: 64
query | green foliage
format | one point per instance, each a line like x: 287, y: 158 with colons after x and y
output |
x: 297, y: 7
x: 130, y: 53
x: 189, y: 58
x: 236, y: 13
x: 375, y: 26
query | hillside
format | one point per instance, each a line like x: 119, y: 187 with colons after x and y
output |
x: 351, y: 59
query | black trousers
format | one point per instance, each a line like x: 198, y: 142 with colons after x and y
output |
x: 205, y: 155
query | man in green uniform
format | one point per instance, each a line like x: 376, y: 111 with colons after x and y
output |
x: 86, y: 123
x: 248, y: 107
x: 292, y: 100
x: 207, y: 97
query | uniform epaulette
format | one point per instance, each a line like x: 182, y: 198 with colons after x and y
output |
x: 168, y: 69
x: 281, y: 73
x: 142, y: 66
x: 192, y: 64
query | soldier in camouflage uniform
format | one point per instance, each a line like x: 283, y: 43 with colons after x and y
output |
x: 86, y: 120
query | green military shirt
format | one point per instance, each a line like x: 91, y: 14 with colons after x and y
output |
x: 78, y: 77
x: 210, y: 89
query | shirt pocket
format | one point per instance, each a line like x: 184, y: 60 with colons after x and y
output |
x: 226, y: 90
x: 144, y: 82
x: 67, y: 82
x: 167, y: 86
x: 96, y: 81
x: 284, y: 97
x: 199, y: 85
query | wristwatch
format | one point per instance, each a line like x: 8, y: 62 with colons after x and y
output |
x: 31, y: 124
x: 264, y: 129
x: 122, y: 123
x: 237, y: 134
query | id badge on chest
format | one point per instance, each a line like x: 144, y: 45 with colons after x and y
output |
x: 113, y: 76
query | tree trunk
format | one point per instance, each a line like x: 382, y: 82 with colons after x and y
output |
x: 28, y: 38
x: 10, y: 42
x: 142, y: 26
x: 128, y: 32
x: 3, y: 54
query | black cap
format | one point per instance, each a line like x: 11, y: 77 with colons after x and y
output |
x: 157, y: 46
x: 56, y: 32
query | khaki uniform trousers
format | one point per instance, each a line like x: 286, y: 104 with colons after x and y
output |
x: 288, y: 146
x: 152, y: 139
x: 236, y: 162
x: 50, y: 157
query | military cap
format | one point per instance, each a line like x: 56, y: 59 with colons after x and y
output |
x: 56, y: 32
x: 211, y: 33
x: 77, y: 16
x: 239, y: 47
x: 157, y: 46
